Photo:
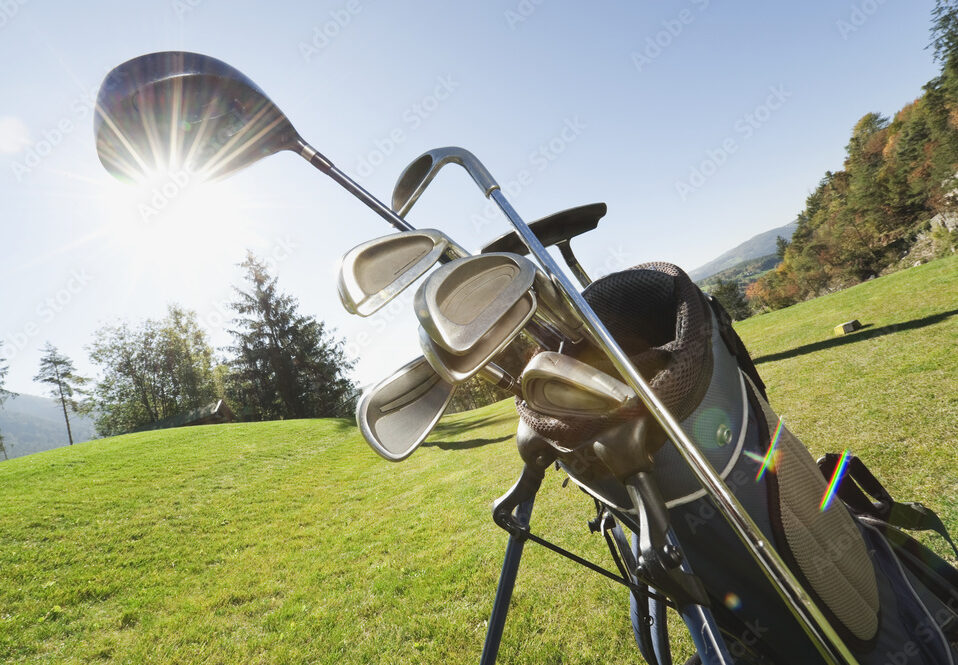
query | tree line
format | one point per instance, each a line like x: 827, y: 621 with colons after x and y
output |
x: 898, y: 174
x: 281, y: 364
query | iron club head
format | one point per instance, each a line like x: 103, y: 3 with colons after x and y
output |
x: 416, y: 177
x: 396, y: 415
x: 375, y: 272
x: 561, y: 386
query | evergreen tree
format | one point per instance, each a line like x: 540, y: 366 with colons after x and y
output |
x: 58, y: 372
x: 4, y: 394
x: 730, y: 296
x: 284, y: 364
x: 781, y: 244
x: 944, y: 31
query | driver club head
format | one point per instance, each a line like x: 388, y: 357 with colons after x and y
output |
x: 176, y: 110
x: 374, y: 272
x: 561, y: 386
x: 396, y: 415
x: 416, y: 177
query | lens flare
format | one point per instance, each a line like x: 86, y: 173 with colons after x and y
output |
x: 732, y: 601
x: 771, y: 457
x: 835, y: 481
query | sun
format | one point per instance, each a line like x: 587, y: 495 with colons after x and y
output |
x: 174, y: 222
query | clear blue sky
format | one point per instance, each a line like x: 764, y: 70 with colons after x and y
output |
x: 759, y: 97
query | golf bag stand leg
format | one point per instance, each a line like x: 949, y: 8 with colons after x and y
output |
x: 511, y: 512
x: 507, y: 581
x: 702, y: 627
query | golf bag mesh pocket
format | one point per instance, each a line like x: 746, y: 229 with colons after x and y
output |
x: 663, y: 322
x: 656, y: 306
x: 826, y: 546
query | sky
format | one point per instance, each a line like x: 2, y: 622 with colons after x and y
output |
x: 700, y: 123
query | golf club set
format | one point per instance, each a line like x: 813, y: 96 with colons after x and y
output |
x: 642, y: 393
x: 469, y: 310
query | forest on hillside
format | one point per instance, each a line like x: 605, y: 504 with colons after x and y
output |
x: 898, y: 189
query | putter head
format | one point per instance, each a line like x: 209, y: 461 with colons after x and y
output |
x: 396, y: 415
x: 465, y: 301
x: 375, y: 272
x: 561, y: 386
x: 176, y: 110
x: 416, y: 177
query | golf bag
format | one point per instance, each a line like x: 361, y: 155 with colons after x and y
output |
x: 890, y: 599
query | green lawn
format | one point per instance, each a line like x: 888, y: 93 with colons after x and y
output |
x: 291, y: 542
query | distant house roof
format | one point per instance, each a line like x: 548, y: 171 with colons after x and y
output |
x: 211, y: 414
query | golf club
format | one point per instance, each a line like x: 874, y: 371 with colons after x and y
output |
x: 416, y: 177
x: 559, y: 385
x: 465, y: 300
x: 181, y: 111
x: 397, y: 414
x: 470, y: 309
x: 374, y: 272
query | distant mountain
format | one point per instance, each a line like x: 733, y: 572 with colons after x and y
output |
x: 31, y: 424
x: 756, y: 247
x: 743, y: 273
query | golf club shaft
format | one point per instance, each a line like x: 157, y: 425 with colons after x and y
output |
x: 817, y: 627
x: 570, y: 260
x: 497, y: 376
x: 317, y: 159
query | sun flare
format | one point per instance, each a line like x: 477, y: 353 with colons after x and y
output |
x: 173, y: 222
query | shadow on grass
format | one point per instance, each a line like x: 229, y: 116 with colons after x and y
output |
x: 447, y: 428
x: 856, y: 337
x: 465, y: 445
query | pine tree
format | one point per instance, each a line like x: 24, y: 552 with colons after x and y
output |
x: 285, y: 364
x: 4, y: 394
x: 58, y: 372
x: 730, y: 295
x: 781, y: 244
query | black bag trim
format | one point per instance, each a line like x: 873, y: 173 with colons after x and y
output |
x: 881, y: 506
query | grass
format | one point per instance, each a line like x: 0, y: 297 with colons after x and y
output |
x: 291, y: 542
x: 888, y: 393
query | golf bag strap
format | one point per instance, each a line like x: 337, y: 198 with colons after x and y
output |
x: 735, y: 345
x: 913, y: 516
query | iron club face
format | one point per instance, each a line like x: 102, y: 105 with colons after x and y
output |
x: 472, y: 308
x: 561, y: 386
x: 375, y: 272
x: 464, y: 301
x: 396, y: 415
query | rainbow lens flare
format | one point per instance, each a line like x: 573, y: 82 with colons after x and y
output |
x: 768, y: 462
x: 835, y: 481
